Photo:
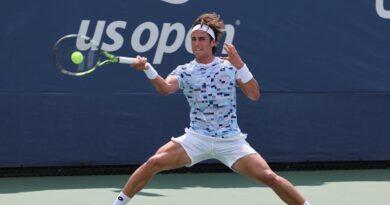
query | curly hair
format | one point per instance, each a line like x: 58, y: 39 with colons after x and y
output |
x: 214, y: 21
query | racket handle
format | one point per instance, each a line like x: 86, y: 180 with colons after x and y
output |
x: 127, y: 60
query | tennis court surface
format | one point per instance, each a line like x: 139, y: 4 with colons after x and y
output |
x: 338, y: 187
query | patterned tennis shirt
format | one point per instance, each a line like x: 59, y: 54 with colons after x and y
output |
x: 210, y: 90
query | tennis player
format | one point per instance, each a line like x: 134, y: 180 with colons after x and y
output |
x: 209, y: 84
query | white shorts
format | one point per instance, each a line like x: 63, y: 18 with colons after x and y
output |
x: 226, y: 150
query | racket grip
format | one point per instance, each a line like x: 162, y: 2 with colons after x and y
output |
x: 127, y: 60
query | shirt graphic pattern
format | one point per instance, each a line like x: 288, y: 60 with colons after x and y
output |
x: 210, y: 90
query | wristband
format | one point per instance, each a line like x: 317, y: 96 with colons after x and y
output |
x: 151, y: 73
x: 244, y: 74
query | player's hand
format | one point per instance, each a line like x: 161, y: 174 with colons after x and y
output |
x: 233, y: 56
x: 141, y: 65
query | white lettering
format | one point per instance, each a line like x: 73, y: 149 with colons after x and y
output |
x: 162, y: 46
x: 229, y: 35
x: 187, y: 42
x: 136, y: 37
x: 114, y: 35
x: 97, y: 36
x: 380, y: 9
x: 175, y: 1
x: 161, y: 41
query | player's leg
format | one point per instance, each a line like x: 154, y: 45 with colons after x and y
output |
x: 255, y: 167
x: 170, y: 156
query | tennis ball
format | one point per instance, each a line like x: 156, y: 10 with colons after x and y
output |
x: 77, y: 57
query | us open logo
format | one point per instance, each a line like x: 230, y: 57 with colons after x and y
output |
x: 157, y: 38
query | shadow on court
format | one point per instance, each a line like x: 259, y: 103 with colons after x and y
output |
x: 183, y: 181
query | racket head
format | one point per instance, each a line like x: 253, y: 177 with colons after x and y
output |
x: 67, y: 45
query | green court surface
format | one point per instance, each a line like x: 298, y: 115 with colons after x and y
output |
x: 352, y: 187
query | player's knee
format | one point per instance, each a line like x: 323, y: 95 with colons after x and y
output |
x: 269, y: 178
x: 154, y: 164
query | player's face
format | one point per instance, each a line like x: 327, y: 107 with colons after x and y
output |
x: 202, y: 44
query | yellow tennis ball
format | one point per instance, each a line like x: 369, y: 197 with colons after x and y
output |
x: 77, y: 57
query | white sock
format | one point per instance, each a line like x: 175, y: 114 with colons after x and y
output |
x: 122, y: 199
x: 306, y: 203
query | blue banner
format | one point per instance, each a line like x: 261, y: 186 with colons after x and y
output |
x: 323, y: 68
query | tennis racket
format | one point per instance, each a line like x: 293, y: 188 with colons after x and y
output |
x: 78, y: 55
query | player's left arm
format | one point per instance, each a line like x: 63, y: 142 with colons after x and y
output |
x: 245, y: 80
x: 250, y: 89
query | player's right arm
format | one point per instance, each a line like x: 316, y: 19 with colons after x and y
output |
x: 164, y: 86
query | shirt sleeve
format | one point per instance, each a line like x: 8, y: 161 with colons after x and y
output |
x: 234, y: 69
x: 179, y: 74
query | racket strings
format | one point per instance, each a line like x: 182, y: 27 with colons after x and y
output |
x: 64, y: 49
